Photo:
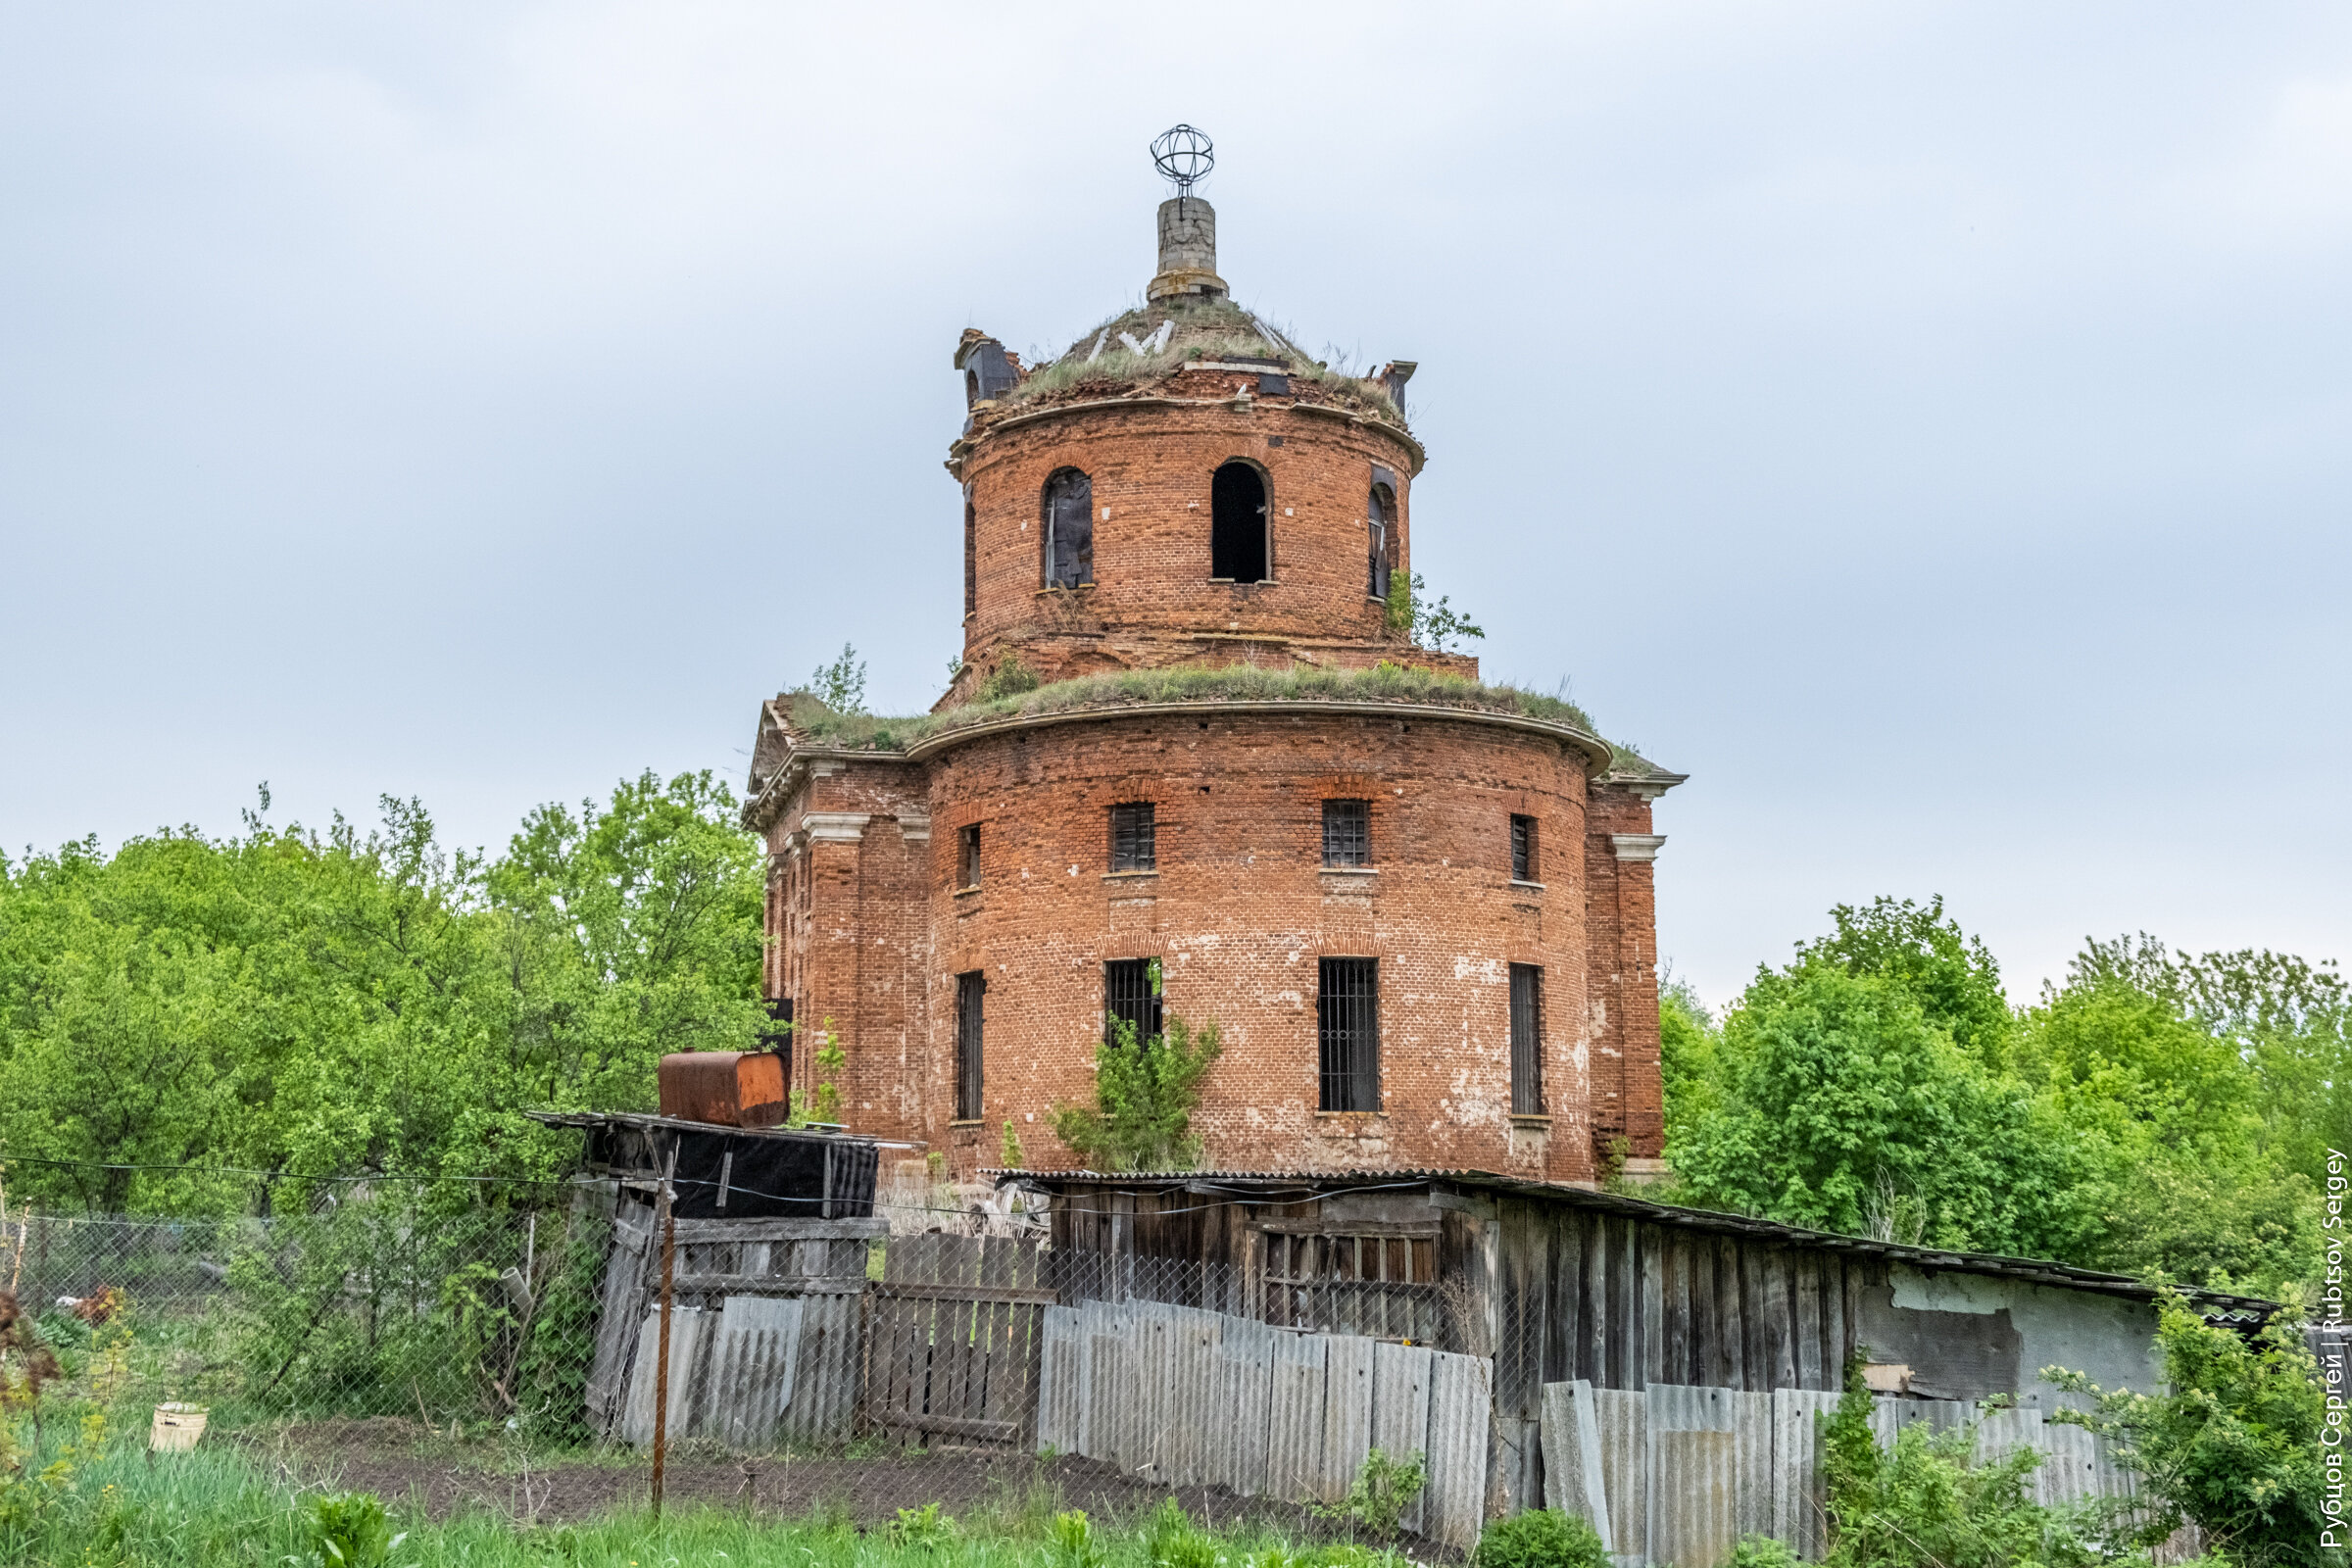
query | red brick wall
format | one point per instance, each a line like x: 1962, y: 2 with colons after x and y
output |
x: 1622, y: 929
x: 1240, y: 911
x: 1152, y: 601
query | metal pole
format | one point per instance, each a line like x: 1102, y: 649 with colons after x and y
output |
x: 670, y: 1263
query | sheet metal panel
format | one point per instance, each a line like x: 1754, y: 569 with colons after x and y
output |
x: 1460, y: 1403
x: 1622, y: 1416
x: 1295, y: 1418
x: 1347, y: 1414
x: 1572, y: 1468
x: 1401, y: 1409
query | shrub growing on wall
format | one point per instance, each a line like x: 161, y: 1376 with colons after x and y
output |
x: 1145, y: 1094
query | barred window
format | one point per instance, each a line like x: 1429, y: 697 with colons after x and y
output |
x: 1347, y: 1029
x: 1527, y: 1039
x: 967, y: 856
x: 970, y: 990
x: 1131, y: 995
x: 1523, y: 849
x: 1131, y: 838
x: 1347, y: 832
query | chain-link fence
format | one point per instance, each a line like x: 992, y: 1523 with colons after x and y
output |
x: 470, y: 1310
x: 534, y: 1309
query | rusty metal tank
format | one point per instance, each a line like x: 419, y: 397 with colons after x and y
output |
x: 726, y: 1088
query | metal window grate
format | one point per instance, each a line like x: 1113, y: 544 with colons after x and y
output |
x: 967, y: 856
x: 1523, y: 849
x: 1527, y: 1039
x: 1131, y: 838
x: 1348, y: 1031
x: 970, y: 991
x: 1131, y: 995
x: 1347, y: 832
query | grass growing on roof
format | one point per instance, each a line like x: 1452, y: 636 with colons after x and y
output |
x: 1187, y: 684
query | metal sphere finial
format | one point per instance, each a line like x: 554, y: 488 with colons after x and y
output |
x: 1184, y: 155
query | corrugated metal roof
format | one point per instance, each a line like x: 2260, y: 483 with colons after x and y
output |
x: 2039, y: 1271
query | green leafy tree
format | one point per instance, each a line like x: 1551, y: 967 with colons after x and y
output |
x: 1431, y: 626
x: 1838, y: 1092
x: 1951, y: 974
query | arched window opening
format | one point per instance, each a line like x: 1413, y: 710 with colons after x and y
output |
x: 1070, y: 530
x: 1236, y: 528
x: 971, y: 555
x: 1380, y: 517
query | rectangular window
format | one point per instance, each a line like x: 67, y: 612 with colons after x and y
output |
x: 1527, y: 1039
x: 1131, y: 995
x: 1523, y: 849
x: 967, y: 856
x: 1348, y: 1027
x: 1347, y: 832
x: 970, y: 989
x: 1131, y: 846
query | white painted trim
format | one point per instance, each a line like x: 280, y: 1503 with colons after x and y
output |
x: 1638, y: 846
x: 844, y: 827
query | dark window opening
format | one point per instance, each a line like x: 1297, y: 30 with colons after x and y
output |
x: 1237, y: 526
x: 1523, y: 849
x: 967, y: 856
x: 972, y: 560
x: 1069, y: 523
x: 970, y: 990
x: 1347, y: 832
x: 1348, y: 1033
x: 777, y: 1036
x: 1131, y: 999
x: 1527, y: 1039
x: 1131, y: 838
x: 1380, y: 517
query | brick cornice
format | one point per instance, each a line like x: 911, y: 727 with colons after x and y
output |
x: 1595, y: 750
x: 966, y: 447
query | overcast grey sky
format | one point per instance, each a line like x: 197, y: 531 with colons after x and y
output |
x: 1928, y: 426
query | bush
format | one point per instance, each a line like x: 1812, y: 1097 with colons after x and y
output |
x: 1540, y: 1537
x: 1381, y: 1493
x: 2234, y: 1447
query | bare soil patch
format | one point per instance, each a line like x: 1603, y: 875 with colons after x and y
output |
x: 402, y: 1460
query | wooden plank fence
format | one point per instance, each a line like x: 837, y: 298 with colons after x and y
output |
x: 953, y: 1339
x: 764, y: 1336
x: 1192, y: 1397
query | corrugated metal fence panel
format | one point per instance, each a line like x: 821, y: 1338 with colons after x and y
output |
x: 1751, y: 1430
x: 1245, y: 1359
x: 1694, y: 1473
x: 754, y: 1354
x: 1060, y: 1362
x: 1110, y: 1379
x: 1572, y: 1470
x: 1460, y: 1402
x: 1796, y: 1511
x: 686, y: 1343
x: 1401, y: 1409
x: 1347, y: 1414
x: 1622, y: 1418
x: 1294, y: 1418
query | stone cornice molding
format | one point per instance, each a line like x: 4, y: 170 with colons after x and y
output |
x: 835, y: 827
x: 1637, y: 847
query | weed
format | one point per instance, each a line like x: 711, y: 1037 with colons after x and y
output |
x: 925, y: 1529
x: 1380, y: 1494
x: 351, y: 1530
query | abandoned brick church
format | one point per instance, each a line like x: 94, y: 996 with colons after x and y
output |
x: 1193, y: 749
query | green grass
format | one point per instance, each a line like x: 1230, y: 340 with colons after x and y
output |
x: 1194, y: 684
x: 221, y: 1508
